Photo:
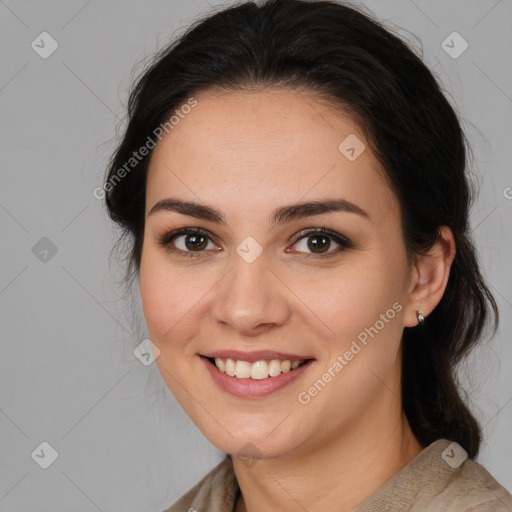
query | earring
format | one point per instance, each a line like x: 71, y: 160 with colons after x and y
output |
x: 421, y: 318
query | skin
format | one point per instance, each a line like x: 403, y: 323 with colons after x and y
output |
x: 246, y: 153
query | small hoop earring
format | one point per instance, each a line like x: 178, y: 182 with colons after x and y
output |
x: 421, y: 318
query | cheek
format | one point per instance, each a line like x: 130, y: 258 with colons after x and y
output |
x: 163, y: 295
x: 173, y: 300
x: 351, y: 298
x: 364, y: 311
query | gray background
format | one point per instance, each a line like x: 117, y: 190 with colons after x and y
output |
x: 68, y: 375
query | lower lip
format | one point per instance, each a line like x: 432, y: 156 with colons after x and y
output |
x: 248, y: 388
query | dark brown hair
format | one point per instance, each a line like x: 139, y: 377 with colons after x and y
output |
x: 346, y: 56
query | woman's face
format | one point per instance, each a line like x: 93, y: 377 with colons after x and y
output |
x: 265, y: 287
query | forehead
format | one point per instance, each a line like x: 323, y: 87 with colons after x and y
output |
x: 266, y: 148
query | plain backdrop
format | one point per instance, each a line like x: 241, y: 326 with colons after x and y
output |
x: 68, y: 374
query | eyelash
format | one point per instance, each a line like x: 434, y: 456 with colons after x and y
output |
x: 344, y: 242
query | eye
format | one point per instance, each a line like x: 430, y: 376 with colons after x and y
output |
x: 194, y: 240
x: 318, y: 240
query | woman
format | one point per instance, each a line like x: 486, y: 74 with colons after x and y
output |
x: 293, y: 182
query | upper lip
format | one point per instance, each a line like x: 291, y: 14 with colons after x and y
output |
x: 257, y: 355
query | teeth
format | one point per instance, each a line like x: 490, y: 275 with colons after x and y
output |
x: 258, y: 370
x: 230, y: 367
x: 274, y: 368
x: 220, y: 364
x: 242, y: 369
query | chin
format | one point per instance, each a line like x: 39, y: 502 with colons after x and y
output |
x: 253, y: 443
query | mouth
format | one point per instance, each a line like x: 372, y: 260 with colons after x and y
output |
x: 258, y: 377
x: 256, y: 370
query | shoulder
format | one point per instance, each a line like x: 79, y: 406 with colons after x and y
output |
x: 216, y: 492
x: 441, y: 477
x: 474, y: 489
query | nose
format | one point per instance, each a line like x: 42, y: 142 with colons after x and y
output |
x: 251, y: 298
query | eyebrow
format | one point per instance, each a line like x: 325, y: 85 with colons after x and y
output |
x: 279, y: 216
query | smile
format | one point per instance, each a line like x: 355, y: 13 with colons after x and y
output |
x: 254, y: 379
x: 257, y: 370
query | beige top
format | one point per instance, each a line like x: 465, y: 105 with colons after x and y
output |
x: 440, y: 478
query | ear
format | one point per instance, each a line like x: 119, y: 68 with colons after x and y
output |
x: 429, y: 277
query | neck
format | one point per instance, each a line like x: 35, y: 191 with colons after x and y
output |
x: 336, y: 475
